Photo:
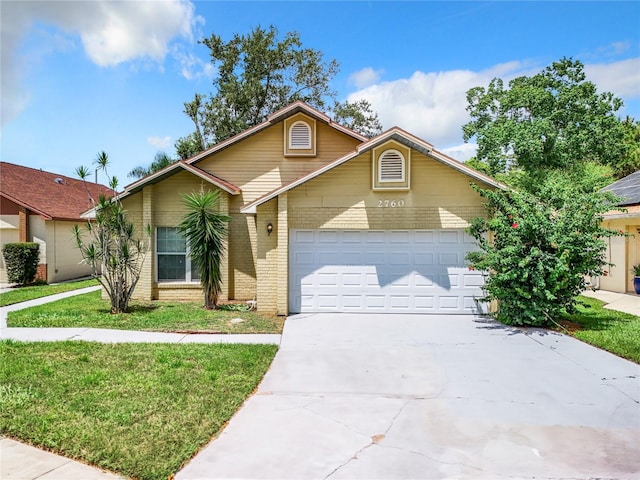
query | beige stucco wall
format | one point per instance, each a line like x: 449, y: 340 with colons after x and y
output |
x: 9, y: 233
x: 38, y: 234
x: 623, y: 252
x: 63, y: 258
x: 57, y: 247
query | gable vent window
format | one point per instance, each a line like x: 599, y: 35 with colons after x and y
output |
x: 391, y: 167
x: 300, y: 136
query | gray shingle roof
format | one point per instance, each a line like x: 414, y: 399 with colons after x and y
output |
x: 628, y: 188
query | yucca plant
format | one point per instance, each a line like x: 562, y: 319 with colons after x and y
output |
x: 205, y: 230
x: 110, y: 246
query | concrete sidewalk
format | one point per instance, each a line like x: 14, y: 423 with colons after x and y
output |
x: 105, y: 335
x: 621, y: 302
x: 24, y: 462
x: 41, y: 301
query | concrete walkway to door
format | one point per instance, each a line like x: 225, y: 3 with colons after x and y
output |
x: 397, y: 397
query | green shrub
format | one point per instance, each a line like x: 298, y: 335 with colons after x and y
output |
x: 539, y: 248
x: 21, y: 261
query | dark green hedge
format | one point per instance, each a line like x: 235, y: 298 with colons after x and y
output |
x: 21, y: 261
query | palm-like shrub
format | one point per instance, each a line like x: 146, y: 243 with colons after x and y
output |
x: 110, y: 246
x: 205, y: 230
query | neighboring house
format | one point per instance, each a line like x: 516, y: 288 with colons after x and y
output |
x: 623, y: 252
x: 323, y: 219
x: 43, y: 207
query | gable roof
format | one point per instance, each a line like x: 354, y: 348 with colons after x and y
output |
x: 53, y: 196
x: 627, y: 188
x: 172, y: 169
x: 276, y: 117
x: 189, y: 164
x: 395, y: 133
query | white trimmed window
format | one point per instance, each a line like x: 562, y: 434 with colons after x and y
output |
x: 300, y: 136
x: 172, y: 255
x: 391, y: 167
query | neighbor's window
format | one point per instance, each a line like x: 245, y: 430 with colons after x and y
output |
x: 391, y: 167
x: 174, y: 264
x: 300, y: 136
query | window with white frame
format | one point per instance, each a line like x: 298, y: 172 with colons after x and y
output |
x: 391, y: 167
x: 300, y: 136
x: 172, y: 254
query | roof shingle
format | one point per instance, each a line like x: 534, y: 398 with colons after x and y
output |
x: 53, y: 196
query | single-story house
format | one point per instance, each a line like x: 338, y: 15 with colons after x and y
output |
x: 623, y: 252
x: 43, y: 207
x: 323, y: 220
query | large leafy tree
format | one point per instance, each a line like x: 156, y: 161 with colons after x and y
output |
x: 553, y: 119
x: 556, y: 141
x: 257, y: 74
x: 631, y: 161
x: 160, y: 161
x: 358, y: 116
x: 205, y: 230
x: 110, y: 245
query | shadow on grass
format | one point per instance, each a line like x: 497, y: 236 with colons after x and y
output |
x: 591, y: 315
x: 134, y: 308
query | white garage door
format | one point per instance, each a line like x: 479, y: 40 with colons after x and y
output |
x: 411, y: 271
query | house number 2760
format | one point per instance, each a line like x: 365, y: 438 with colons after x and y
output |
x: 390, y: 203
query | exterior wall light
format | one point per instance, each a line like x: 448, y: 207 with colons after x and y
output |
x: 269, y: 228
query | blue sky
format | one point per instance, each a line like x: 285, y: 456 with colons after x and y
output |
x: 81, y: 77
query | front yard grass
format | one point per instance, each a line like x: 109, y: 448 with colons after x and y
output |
x: 616, y: 332
x: 22, y: 294
x: 90, y: 310
x: 141, y: 410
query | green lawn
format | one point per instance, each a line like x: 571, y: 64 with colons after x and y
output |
x: 141, y: 410
x: 90, y: 310
x: 616, y: 332
x: 22, y: 294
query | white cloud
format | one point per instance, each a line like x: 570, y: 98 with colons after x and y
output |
x: 111, y: 32
x: 159, y: 142
x: 365, y: 77
x: 192, y: 66
x: 462, y: 152
x: 432, y: 105
x: 622, y: 78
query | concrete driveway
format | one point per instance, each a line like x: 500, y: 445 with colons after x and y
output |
x: 400, y: 397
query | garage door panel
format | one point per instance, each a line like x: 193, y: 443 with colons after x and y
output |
x: 399, y: 302
x: 423, y: 258
x: 375, y: 236
x: 424, y: 236
x: 424, y: 303
x: 449, y: 236
x: 384, y: 271
x: 449, y: 302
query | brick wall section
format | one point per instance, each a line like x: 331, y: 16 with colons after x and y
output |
x: 144, y: 289
x: 180, y: 292
x: 23, y: 225
x: 41, y: 273
x: 223, y: 208
x: 267, y: 257
x: 283, y: 255
x: 242, y: 252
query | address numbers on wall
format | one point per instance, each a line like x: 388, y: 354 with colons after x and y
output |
x: 390, y: 203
